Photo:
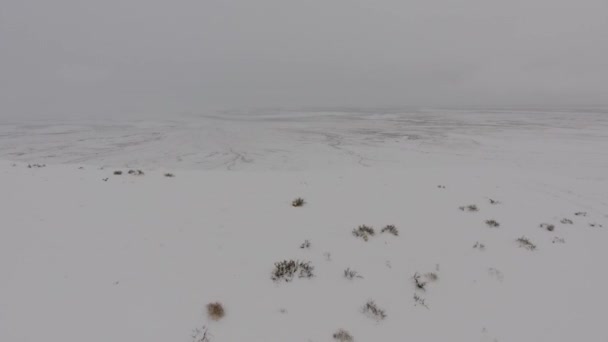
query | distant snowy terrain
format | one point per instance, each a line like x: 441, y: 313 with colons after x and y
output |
x: 90, y: 255
x: 320, y: 140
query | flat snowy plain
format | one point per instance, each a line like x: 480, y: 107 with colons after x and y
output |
x: 87, y: 255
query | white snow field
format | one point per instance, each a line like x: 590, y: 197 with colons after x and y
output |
x: 87, y: 255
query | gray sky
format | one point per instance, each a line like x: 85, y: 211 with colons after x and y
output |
x: 117, y: 57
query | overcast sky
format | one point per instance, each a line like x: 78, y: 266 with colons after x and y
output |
x: 115, y: 57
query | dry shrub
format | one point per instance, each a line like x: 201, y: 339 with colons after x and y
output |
x: 492, y: 223
x: 479, y: 246
x: 343, y: 336
x: 420, y: 301
x: 390, y: 229
x: 470, y: 207
x: 364, y: 232
x: 373, y: 311
x: 547, y: 226
x: 215, y: 311
x: 351, y: 274
x: 287, y: 270
x: 431, y: 276
x: 524, y: 242
x: 421, y: 285
x: 298, y: 202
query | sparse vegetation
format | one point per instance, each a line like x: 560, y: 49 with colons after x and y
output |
x: 441, y: 186
x: 298, y: 202
x: 469, y: 208
x: 419, y: 301
x: 364, y: 232
x: 136, y: 172
x: 492, y: 223
x: 581, y: 213
x: 305, y: 244
x: 566, y: 221
x: 215, y: 311
x: 524, y: 242
x: 391, y: 229
x: 493, y: 201
x: 287, y: 269
x: 169, y: 175
x: 479, y: 246
x: 558, y: 240
x: 201, y: 335
x: 35, y: 166
x: 117, y: 173
x: 373, y: 311
x: 351, y: 274
x: 547, y: 226
x: 496, y: 273
x: 343, y: 336
x: 431, y: 276
x: 421, y: 285
x: 595, y: 225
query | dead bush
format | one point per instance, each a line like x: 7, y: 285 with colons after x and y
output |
x: 343, y: 336
x: 524, y: 242
x: 470, y: 208
x: 351, y: 274
x: 298, y: 202
x: 215, y: 311
x: 364, y: 232
x: 391, y: 229
x: 373, y: 311
x: 419, y: 301
x: 492, y: 223
x: 479, y: 246
x: 431, y: 276
x: 201, y: 335
x: 287, y: 270
x: 547, y: 226
x: 420, y: 284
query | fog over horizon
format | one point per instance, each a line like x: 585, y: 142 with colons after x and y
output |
x: 122, y: 57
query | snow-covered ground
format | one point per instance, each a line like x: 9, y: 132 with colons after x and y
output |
x: 87, y: 255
